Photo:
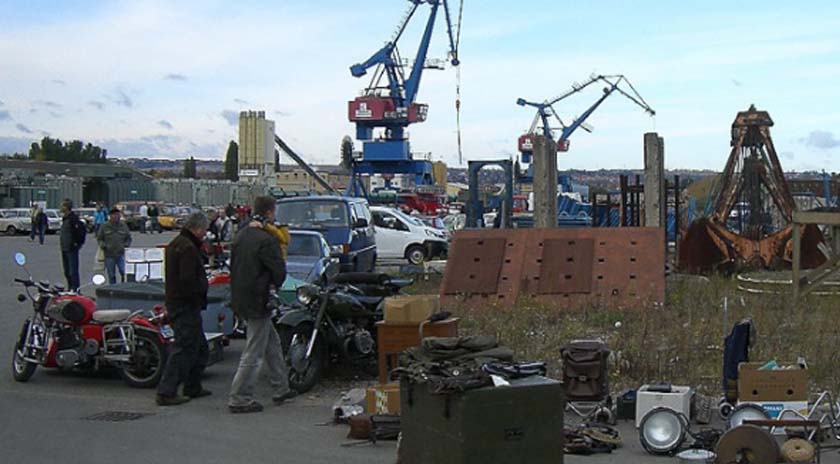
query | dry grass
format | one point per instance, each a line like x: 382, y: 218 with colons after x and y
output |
x: 681, y: 343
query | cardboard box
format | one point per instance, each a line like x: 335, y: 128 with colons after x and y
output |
x: 757, y: 386
x: 410, y: 309
x: 383, y: 399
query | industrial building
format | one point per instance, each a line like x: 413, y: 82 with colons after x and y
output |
x: 256, y: 146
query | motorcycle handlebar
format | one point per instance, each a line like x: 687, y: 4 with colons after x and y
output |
x: 23, y: 281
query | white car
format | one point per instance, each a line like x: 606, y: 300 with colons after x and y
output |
x: 53, y: 220
x: 399, y: 235
x: 13, y: 221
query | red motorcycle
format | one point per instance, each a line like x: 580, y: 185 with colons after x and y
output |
x: 66, y: 331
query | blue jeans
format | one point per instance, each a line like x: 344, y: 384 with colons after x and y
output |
x: 37, y: 231
x: 143, y: 224
x: 70, y: 263
x: 112, y: 264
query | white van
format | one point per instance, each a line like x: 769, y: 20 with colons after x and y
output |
x: 399, y: 235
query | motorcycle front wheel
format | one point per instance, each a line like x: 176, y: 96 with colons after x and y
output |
x: 147, y: 363
x: 303, y: 374
x: 22, y: 369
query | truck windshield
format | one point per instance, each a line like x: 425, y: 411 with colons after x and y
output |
x: 314, y: 214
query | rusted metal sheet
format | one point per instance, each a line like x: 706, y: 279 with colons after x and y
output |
x: 478, y: 269
x: 566, y: 266
x: 614, y: 267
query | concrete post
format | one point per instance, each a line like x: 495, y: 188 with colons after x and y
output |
x: 545, y: 182
x: 655, y: 199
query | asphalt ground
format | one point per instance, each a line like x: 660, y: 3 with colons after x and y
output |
x: 48, y: 419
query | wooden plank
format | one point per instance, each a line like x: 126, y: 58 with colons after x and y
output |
x: 812, y: 217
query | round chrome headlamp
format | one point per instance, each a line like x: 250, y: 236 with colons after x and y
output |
x: 306, y: 294
x: 662, y: 431
x: 746, y: 411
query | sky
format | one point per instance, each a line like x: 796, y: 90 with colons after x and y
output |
x: 167, y: 79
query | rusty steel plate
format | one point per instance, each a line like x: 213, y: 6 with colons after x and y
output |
x: 477, y: 267
x: 566, y: 266
x: 614, y: 267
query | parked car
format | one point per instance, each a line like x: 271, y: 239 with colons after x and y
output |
x: 12, y: 222
x: 345, y: 222
x: 310, y: 259
x: 172, y: 217
x: 399, y: 235
x: 87, y: 215
x: 53, y: 221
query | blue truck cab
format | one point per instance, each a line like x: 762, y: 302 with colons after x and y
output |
x: 344, y: 221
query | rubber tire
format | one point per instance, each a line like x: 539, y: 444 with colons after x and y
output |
x: 144, y: 339
x: 27, y: 369
x: 317, y: 362
x: 411, y: 254
x: 11, y: 230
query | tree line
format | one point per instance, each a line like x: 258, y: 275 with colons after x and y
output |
x: 75, y: 151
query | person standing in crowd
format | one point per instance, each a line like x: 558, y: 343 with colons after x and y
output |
x: 114, y: 237
x: 223, y: 227
x: 33, y: 213
x: 41, y: 225
x: 154, y: 212
x: 186, y: 297
x: 257, y: 264
x: 144, y: 216
x: 100, y: 217
x: 72, y: 238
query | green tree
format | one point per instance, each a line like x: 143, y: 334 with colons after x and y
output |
x: 73, y: 152
x: 232, y: 162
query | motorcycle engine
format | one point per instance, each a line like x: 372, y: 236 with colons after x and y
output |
x: 70, y: 347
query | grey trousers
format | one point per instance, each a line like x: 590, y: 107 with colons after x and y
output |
x: 261, y: 342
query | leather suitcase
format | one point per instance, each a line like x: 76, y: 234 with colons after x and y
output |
x: 521, y: 423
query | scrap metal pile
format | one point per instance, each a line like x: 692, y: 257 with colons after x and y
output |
x: 751, y: 183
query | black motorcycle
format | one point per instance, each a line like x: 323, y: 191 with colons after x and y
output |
x: 334, y: 324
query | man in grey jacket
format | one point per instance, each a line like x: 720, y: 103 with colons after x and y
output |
x: 114, y: 237
x: 256, y: 264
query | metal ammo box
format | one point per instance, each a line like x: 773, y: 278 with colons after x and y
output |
x: 520, y: 423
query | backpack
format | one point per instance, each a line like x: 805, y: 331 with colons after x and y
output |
x: 79, y: 232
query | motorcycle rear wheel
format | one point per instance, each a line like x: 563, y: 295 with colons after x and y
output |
x: 22, y: 370
x: 303, y: 375
x: 147, y: 362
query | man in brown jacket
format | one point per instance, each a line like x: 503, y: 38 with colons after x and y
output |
x: 186, y: 297
x: 256, y: 264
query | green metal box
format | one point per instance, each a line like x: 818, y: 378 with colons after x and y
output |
x: 521, y: 423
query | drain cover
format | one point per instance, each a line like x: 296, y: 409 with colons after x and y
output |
x: 117, y: 416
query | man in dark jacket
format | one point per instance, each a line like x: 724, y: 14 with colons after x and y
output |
x: 186, y: 297
x: 113, y: 238
x: 256, y: 264
x: 72, y: 237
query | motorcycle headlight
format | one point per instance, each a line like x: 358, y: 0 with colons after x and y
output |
x: 306, y: 294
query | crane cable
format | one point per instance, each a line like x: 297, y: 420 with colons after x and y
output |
x: 458, y: 85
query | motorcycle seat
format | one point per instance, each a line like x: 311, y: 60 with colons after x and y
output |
x: 111, y: 315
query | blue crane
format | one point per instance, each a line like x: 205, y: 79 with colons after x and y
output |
x: 546, y: 109
x: 392, y: 105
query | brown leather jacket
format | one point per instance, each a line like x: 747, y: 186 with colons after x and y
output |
x: 186, y: 280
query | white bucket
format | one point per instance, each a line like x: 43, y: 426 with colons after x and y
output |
x: 696, y: 456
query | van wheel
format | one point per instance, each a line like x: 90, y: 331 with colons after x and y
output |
x: 415, y: 254
x: 11, y: 230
